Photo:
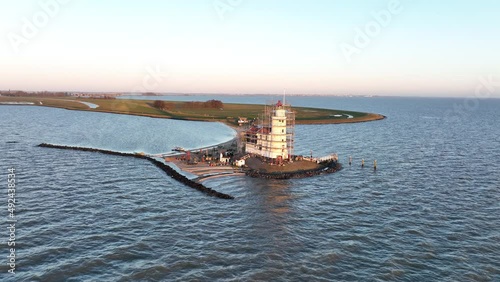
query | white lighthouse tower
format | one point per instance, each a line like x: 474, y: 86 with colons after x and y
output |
x: 278, y: 146
x: 273, y: 137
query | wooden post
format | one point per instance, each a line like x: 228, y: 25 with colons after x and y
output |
x: 375, y: 165
x: 362, y: 162
x: 350, y: 160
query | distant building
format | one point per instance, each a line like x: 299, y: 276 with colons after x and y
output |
x: 242, y: 121
x: 224, y: 159
x: 239, y: 163
x: 273, y: 136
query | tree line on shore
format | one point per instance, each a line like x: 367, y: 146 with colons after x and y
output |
x: 20, y: 93
x: 210, y: 104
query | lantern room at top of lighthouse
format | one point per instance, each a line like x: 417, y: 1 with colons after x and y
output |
x: 279, y: 110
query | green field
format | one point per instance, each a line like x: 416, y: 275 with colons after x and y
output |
x: 228, y: 114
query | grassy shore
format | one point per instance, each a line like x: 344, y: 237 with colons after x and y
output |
x: 228, y: 114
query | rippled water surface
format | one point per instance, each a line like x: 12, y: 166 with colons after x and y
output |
x: 429, y: 213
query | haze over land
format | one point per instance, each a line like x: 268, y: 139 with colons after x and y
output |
x: 380, y: 47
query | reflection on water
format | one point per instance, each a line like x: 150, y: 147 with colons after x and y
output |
x: 275, y: 195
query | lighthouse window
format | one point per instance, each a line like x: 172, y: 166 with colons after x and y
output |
x: 282, y: 131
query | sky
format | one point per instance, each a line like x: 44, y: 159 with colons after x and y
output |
x: 327, y: 47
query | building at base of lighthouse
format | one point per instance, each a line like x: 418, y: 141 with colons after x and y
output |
x: 273, y: 135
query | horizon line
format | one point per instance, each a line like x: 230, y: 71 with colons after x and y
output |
x: 152, y: 94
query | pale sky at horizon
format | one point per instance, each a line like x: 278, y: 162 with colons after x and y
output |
x: 428, y: 48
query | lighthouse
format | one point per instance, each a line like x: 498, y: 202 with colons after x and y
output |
x: 273, y: 136
x: 278, y: 146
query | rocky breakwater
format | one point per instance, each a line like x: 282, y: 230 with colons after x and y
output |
x: 166, y: 168
x: 326, y: 167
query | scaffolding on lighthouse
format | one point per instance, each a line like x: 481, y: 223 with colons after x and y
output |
x: 273, y: 134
